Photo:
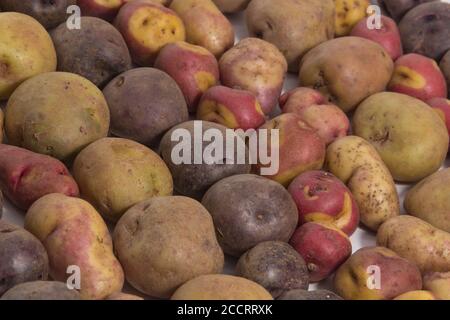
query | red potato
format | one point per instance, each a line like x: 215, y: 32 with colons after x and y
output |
x: 419, y: 77
x: 104, y: 9
x: 442, y: 107
x: 323, y: 247
x: 388, y: 36
x: 26, y: 176
x: 321, y: 197
x: 235, y: 109
x: 194, y: 69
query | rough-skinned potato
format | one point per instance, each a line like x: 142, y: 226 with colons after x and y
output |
x: 74, y: 234
x: 249, y: 209
x: 417, y: 241
x: 221, y: 287
x: 299, y: 294
x: 166, y: 241
x: 445, y: 68
x: 376, y: 273
x: 274, y: 265
x: 56, y: 114
x: 41, y: 290
x: 438, y: 284
x: 257, y: 66
x: 411, y: 152
x: 23, y: 257
x: 357, y: 164
x: 26, y: 176
x: 348, y: 14
x: 205, y: 25
x: 231, y: 6
x: 416, y: 295
x: 114, y: 174
x: 337, y: 65
x: 292, y: 26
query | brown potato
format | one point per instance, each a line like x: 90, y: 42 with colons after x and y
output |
x: 166, y: 241
x: 299, y: 294
x: 41, y: 290
x: 231, y: 6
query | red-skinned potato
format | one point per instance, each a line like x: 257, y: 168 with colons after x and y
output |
x: 323, y: 247
x: 26, y: 176
x: 235, y: 109
x: 105, y: 9
x: 194, y: 69
x: 388, y: 36
x: 328, y: 120
x: 321, y: 197
x: 257, y: 66
x: 301, y: 149
x: 419, y: 77
x: 147, y: 27
x: 442, y: 107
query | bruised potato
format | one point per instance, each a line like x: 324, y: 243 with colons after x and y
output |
x: 41, y: 290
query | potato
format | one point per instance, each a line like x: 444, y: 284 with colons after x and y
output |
x: 106, y: 10
x: 429, y: 200
x: 97, y: 51
x: 257, y: 66
x: 56, y: 114
x: 357, y: 164
x: 26, y: 50
x: 411, y: 152
x: 248, y: 210
x: 191, y: 179
x: 398, y: 8
x: 417, y: 241
x: 26, y: 176
x: 123, y: 296
x: 348, y: 14
x: 416, y: 295
x: 425, y: 29
x: 376, y: 273
x: 221, y: 287
x: 231, y: 6
x: 438, y: 284
x: 445, y: 68
x: 299, y: 294
x: 23, y: 257
x: 144, y: 104
x: 274, y: 265
x: 1, y: 204
x: 2, y: 118
x: 166, y: 241
x: 205, y: 25
x: 41, y: 290
x: 49, y: 13
x: 114, y: 174
x: 74, y: 234
x: 292, y: 26
x: 337, y: 65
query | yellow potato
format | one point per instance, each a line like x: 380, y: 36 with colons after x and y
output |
x: 438, y: 284
x: 357, y: 163
x: 416, y: 295
x: 348, y: 14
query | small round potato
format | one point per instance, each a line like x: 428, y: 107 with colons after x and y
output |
x: 41, y: 290
x: 249, y: 209
x: 299, y: 294
x: 144, y: 104
x: 164, y: 242
x: 114, y: 174
x: 274, y: 265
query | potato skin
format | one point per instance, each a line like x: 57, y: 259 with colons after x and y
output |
x: 205, y: 25
x: 299, y: 294
x: 274, y: 265
x: 398, y: 275
x: 41, y: 290
x: 257, y: 66
x: 166, y: 241
x: 56, y: 114
x: 293, y: 26
x: 410, y: 152
x: 417, y: 241
x: 144, y: 104
x: 26, y: 176
x: 359, y: 166
x: 124, y: 297
x: 75, y: 234
x: 247, y: 210
x: 2, y: 122
x: 429, y: 200
x: 221, y: 287
x: 348, y: 14
x: 231, y: 6
x: 416, y: 295
x: 337, y: 65
x: 114, y: 174
x: 445, y: 68
x: 438, y: 284
x: 97, y: 51
x: 398, y: 8
x: 23, y: 257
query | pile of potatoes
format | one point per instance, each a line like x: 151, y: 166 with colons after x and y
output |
x: 93, y: 110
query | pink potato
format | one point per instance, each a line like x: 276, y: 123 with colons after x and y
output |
x: 321, y: 197
x: 418, y: 76
x: 442, y: 107
x: 106, y: 10
x: 194, y: 69
x: 235, y: 109
x: 26, y: 176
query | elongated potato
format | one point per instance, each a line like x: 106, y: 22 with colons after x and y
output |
x: 417, y: 241
x: 357, y: 163
x: 74, y: 234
